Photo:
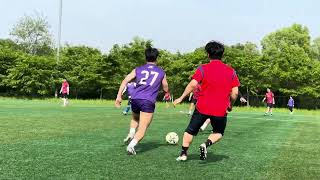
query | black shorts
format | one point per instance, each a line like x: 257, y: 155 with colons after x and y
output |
x: 194, y: 101
x: 270, y: 105
x: 64, y: 95
x: 290, y: 108
x: 218, y: 123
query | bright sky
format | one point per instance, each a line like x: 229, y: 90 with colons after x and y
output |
x: 172, y: 24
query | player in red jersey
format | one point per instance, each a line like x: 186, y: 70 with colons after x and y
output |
x: 64, y: 91
x: 219, y: 86
x: 269, y: 98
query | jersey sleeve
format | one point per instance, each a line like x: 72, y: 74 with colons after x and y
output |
x: 198, y: 75
x: 235, y: 80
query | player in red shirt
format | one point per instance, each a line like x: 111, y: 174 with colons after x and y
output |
x: 219, y: 86
x: 64, y: 91
x: 269, y: 98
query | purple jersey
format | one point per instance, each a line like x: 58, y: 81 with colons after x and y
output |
x: 149, y: 79
x: 130, y: 88
x: 291, y: 102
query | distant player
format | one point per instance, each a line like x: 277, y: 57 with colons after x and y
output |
x: 207, y: 122
x: 149, y: 78
x: 269, y: 98
x: 194, y: 98
x: 291, y: 104
x: 64, y: 91
x: 129, y: 88
x: 219, y: 86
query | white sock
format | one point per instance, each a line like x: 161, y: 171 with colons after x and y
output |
x: 132, y: 132
x: 133, y: 143
x: 203, y: 127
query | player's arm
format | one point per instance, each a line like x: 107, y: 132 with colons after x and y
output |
x: 273, y: 101
x: 190, y: 87
x: 61, y: 89
x: 293, y: 103
x: 165, y: 88
x: 234, y: 95
x: 123, y: 85
x: 125, y: 89
x: 68, y: 90
x: 263, y: 100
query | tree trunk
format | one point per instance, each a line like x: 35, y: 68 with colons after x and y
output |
x: 101, y: 93
x: 248, y: 97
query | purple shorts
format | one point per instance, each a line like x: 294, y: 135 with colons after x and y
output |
x: 142, y: 105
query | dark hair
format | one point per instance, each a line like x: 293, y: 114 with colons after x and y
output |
x: 151, y: 54
x: 215, y: 50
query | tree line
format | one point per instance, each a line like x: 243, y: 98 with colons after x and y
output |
x: 287, y: 62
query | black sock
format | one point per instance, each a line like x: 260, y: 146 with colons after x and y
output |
x: 208, y: 143
x: 184, y: 150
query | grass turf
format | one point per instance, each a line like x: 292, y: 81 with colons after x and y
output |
x: 42, y: 140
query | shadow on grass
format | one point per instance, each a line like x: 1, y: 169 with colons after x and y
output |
x: 211, y: 158
x: 148, y: 146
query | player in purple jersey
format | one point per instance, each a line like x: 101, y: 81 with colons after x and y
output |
x: 129, y: 88
x: 148, y: 78
x: 291, y: 104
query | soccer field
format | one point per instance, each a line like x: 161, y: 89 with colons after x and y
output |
x: 42, y: 140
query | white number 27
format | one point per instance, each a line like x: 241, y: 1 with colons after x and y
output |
x: 146, y: 76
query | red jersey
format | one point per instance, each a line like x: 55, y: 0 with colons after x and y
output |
x: 64, y: 87
x: 269, y: 97
x: 196, y: 92
x: 217, y: 80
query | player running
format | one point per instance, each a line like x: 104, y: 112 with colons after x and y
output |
x: 64, y: 91
x: 269, y: 98
x: 291, y: 104
x: 129, y: 88
x: 148, y: 78
x: 219, y: 86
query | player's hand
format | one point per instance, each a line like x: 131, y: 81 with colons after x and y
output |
x: 243, y: 100
x: 167, y: 96
x: 118, y: 102
x: 177, y: 101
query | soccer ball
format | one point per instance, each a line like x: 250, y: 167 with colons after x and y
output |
x: 172, y: 138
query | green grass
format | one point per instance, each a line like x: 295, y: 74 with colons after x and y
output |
x: 42, y: 140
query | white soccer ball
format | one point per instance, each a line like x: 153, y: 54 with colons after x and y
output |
x: 172, y: 138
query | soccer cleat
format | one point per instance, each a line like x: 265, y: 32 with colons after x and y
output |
x: 182, y: 158
x: 127, y: 140
x: 124, y: 113
x: 131, y: 150
x: 203, y: 152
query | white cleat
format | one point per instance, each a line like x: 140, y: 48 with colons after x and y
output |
x: 182, y: 158
x: 203, y: 151
x: 131, y: 151
x: 127, y: 140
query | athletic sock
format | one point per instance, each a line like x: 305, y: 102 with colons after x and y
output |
x: 184, y: 150
x: 133, y: 143
x: 208, y: 143
x: 132, y: 132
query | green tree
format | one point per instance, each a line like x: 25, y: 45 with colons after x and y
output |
x: 33, y: 35
x: 286, y: 54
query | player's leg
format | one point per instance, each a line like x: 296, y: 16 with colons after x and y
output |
x: 196, y: 122
x: 218, y: 124
x: 127, y: 109
x: 133, y: 127
x: 268, y: 109
x: 146, y: 113
x: 205, y: 124
x: 144, y: 122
